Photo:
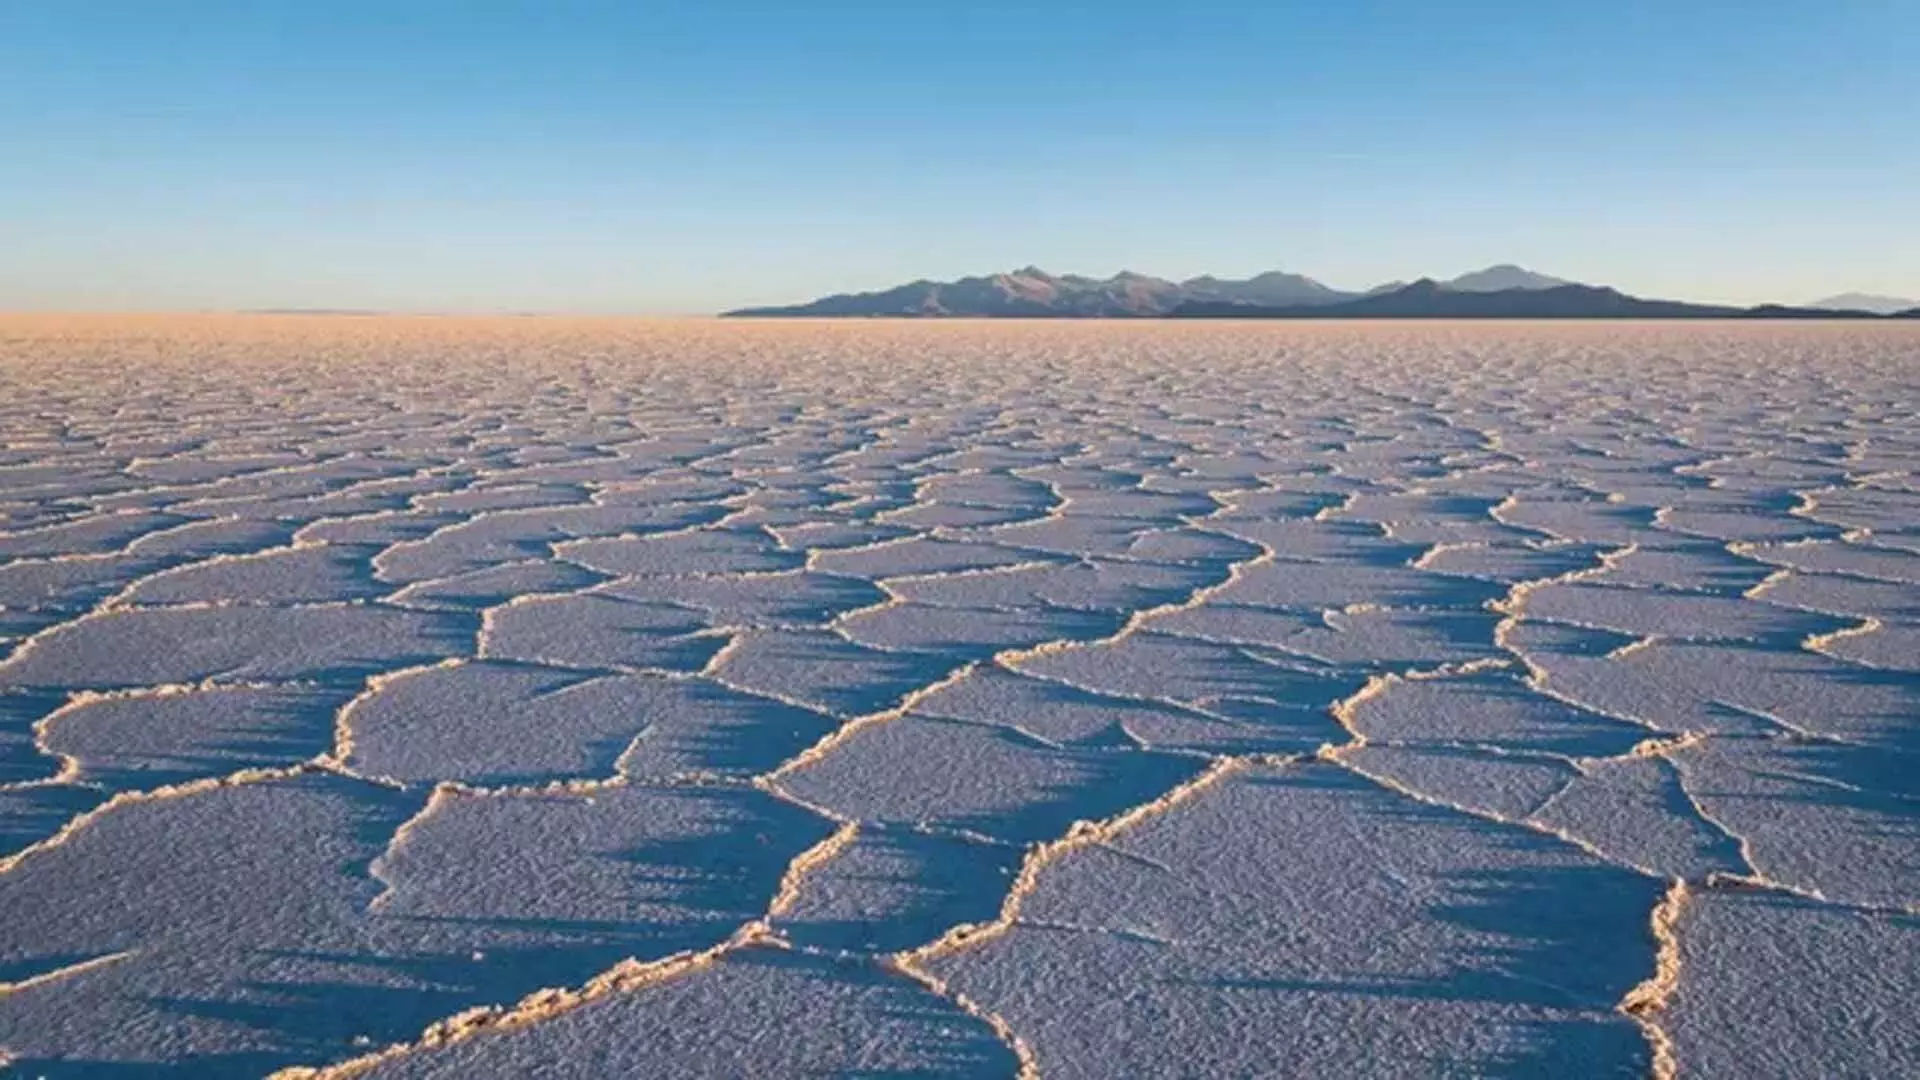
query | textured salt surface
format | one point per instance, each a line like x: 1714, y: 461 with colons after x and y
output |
x: 540, y: 697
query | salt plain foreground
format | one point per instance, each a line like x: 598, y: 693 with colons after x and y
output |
x: 455, y: 698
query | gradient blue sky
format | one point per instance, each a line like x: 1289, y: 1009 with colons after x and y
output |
x: 688, y: 155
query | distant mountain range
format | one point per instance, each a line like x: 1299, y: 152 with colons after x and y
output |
x: 1879, y: 305
x: 1429, y: 299
x: 1503, y: 291
x: 1033, y: 292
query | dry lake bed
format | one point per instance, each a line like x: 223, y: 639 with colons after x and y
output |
x: 463, y: 698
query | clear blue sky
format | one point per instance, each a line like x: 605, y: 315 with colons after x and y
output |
x: 687, y: 155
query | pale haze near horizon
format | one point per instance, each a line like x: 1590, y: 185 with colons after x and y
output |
x: 681, y: 158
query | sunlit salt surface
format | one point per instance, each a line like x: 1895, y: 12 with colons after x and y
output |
x: 466, y: 698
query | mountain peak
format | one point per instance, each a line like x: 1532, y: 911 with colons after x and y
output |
x: 1504, y: 277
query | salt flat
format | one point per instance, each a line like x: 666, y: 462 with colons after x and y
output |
x: 467, y: 697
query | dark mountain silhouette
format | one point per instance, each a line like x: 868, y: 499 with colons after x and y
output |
x: 1504, y: 291
x: 1429, y: 299
x: 1787, y: 311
